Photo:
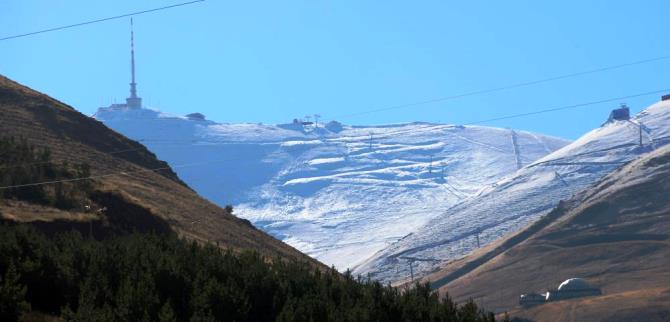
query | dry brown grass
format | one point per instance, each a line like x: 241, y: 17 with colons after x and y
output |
x: 19, y: 211
x: 77, y: 138
x: 616, y: 235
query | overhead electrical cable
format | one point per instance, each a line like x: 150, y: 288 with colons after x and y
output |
x: 519, y: 115
x: 119, y: 173
x: 507, y: 87
x: 542, y: 111
x: 100, y: 20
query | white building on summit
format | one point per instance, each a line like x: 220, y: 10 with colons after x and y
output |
x: 132, y: 102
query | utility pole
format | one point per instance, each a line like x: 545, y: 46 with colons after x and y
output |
x: 640, y: 125
x: 430, y: 166
x: 478, y: 239
x: 558, y: 175
x: 316, y: 120
x: 371, y: 141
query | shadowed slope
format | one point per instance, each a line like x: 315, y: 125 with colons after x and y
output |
x: 76, y: 138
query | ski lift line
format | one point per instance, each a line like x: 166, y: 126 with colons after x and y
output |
x: 100, y: 20
x: 508, y: 87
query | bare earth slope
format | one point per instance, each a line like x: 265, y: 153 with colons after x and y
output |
x: 76, y: 138
x: 615, y: 234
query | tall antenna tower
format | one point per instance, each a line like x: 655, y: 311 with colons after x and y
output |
x: 133, y: 84
x: 133, y: 101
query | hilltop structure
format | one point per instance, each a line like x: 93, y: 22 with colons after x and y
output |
x: 620, y: 114
x: 196, y: 117
x: 133, y: 101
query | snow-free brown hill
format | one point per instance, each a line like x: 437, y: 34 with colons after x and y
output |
x: 615, y: 234
x: 135, y: 180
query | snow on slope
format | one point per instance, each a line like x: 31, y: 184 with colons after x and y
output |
x: 337, y: 192
x: 522, y: 197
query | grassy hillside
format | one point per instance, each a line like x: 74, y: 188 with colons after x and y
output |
x: 93, y: 245
x: 615, y: 234
x: 128, y: 176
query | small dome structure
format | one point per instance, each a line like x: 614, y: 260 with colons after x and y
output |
x: 574, y: 284
x: 334, y: 126
x: 571, y: 288
x: 196, y: 116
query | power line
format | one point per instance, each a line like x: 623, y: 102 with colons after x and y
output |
x: 143, y: 147
x: 384, y: 135
x: 51, y: 162
x: 508, y: 87
x: 541, y: 111
x: 569, y: 107
x: 101, y: 20
x: 503, y: 88
x: 467, y: 94
x: 117, y: 173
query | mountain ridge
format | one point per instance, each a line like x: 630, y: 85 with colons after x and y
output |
x: 335, y: 191
x: 524, y: 196
x: 122, y: 168
x: 615, y: 234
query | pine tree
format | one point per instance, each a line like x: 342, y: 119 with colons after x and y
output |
x: 12, y: 296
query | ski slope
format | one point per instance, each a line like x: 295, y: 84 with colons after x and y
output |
x: 337, y: 193
x: 515, y: 200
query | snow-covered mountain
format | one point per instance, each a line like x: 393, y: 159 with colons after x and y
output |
x: 517, y: 199
x: 338, y: 193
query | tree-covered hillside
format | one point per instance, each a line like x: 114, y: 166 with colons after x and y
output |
x: 22, y: 165
x: 148, y: 277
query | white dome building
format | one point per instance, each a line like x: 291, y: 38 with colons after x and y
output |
x: 571, y: 288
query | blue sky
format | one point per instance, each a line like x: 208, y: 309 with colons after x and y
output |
x: 271, y: 61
